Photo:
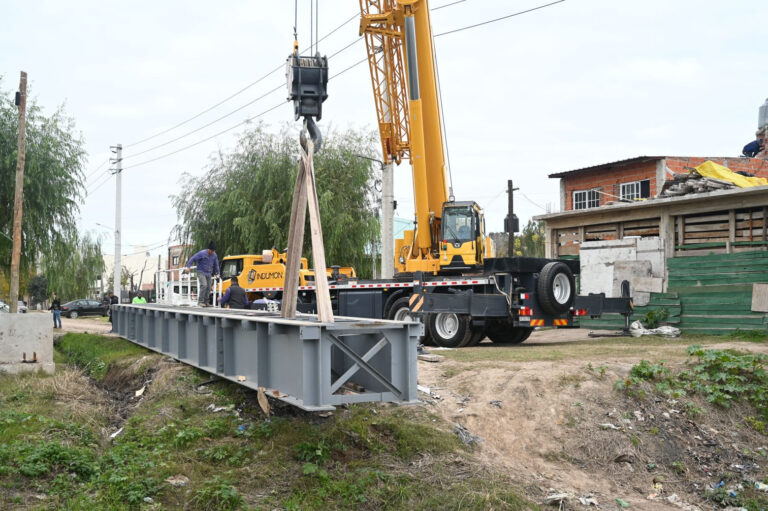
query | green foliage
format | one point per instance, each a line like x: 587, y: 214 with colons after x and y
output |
x: 243, y: 202
x: 652, y: 318
x: 37, y: 288
x: 53, y: 182
x: 219, y: 494
x: 94, y: 353
x: 529, y: 243
x: 73, y: 265
x: 722, y: 377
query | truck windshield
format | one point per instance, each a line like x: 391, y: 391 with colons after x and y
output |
x: 231, y: 268
x: 458, y: 224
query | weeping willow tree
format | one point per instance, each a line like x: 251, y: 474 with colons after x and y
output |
x: 53, y: 184
x: 243, y: 201
x: 73, y: 267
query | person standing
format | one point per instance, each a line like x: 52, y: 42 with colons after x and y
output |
x: 139, y: 298
x: 113, y: 300
x: 207, y: 270
x: 235, y: 296
x: 56, y: 308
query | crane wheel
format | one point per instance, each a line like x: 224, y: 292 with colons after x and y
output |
x: 450, y: 330
x: 501, y: 333
x: 400, y: 311
x: 556, y: 288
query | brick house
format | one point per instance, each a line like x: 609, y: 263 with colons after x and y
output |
x: 637, y: 178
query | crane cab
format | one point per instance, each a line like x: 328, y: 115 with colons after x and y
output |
x: 464, y: 245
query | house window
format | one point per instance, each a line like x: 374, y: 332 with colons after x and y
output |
x: 636, y: 190
x: 586, y: 199
x: 175, y: 260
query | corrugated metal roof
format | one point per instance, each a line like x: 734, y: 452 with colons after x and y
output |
x: 618, y: 163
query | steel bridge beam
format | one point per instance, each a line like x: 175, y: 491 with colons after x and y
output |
x: 312, y: 365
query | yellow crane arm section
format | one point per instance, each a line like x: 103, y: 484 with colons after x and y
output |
x: 398, y: 38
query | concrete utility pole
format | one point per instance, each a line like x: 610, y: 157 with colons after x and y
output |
x: 21, y: 101
x: 511, y: 216
x: 387, y: 219
x: 118, y: 160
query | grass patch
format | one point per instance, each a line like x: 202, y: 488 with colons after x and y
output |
x: 94, y: 353
x: 366, y: 456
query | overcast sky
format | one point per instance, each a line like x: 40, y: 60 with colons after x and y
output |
x: 579, y: 83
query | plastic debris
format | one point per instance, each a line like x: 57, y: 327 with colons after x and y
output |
x: 557, y: 498
x: 495, y: 403
x: 216, y: 409
x: 636, y: 329
x: 608, y: 425
x: 139, y: 392
x: 588, y: 500
x: 720, y: 484
x: 242, y: 427
x: 113, y: 435
x: 465, y: 436
x: 423, y: 389
x: 178, y: 480
x: 623, y: 503
x: 761, y: 486
x: 149, y: 500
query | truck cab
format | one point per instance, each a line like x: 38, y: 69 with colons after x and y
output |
x: 464, y: 245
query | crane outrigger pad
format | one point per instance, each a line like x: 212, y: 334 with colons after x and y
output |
x: 309, y: 364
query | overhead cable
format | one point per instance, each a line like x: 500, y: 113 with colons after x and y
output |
x: 498, y: 19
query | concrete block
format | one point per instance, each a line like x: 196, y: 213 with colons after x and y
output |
x: 596, y: 278
x: 760, y: 297
x: 30, y: 333
x: 650, y: 245
x: 606, y: 255
x: 648, y: 284
x: 640, y: 298
x: 623, y: 243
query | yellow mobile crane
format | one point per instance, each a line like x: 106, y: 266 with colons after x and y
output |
x: 449, y: 236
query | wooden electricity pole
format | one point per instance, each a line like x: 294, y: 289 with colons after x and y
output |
x: 21, y: 101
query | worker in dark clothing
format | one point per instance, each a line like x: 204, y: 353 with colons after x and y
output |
x: 235, y: 297
x: 752, y: 149
x: 113, y: 300
x: 56, y: 308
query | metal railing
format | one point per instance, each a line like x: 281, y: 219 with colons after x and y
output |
x: 179, y: 286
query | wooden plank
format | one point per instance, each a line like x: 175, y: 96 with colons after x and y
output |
x: 322, y: 293
x: 295, y: 243
x: 649, y: 222
x: 699, y: 219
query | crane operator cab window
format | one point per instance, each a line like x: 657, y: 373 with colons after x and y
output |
x: 459, y: 224
x: 231, y: 268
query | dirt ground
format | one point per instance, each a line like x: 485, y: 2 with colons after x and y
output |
x: 87, y: 325
x: 546, y: 411
x: 540, y: 410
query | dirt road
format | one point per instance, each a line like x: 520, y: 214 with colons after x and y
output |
x: 540, y: 409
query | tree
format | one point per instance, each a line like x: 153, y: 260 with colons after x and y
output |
x: 37, y: 288
x: 243, y: 202
x: 73, y: 266
x: 125, y: 278
x: 529, y: 243
x: 53, y: 177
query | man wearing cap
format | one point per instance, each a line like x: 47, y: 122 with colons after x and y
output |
x: 207, y: 269
x: 139, y: 298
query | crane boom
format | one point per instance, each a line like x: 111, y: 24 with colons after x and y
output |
x: 398, y: 37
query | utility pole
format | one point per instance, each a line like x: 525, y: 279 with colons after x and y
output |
x: 118, y: 160
x: 511, y: 227
x: 21, y: 102
x: 387, y: 215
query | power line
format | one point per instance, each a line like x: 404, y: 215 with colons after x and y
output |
x: 96, y: 169
x: 498, y: 19
x: 100, y: 185
x: 235, y: 94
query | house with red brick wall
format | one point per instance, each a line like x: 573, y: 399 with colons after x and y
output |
x: 638, y: 178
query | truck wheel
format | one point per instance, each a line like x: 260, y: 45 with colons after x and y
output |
x: 501, y: 333
x: 450, y: 330
x: 477, y: 336
x: 400, y: 310
x: 555, y: 289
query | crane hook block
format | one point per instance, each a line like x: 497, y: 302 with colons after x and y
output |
x: 307, y: 79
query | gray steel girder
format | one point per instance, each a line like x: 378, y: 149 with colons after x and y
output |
x: 301, y: 361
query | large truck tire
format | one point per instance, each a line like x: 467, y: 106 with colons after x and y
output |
x: 556, y: 288
x: 400, y: 310
x: 504, y: 334
x: 450, y: 330
x: 478, y: 334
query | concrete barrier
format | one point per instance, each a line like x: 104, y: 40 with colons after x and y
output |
x: 26, y: 336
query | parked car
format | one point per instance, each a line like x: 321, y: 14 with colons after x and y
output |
x: 22, y: 308
x: 77, y: 308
